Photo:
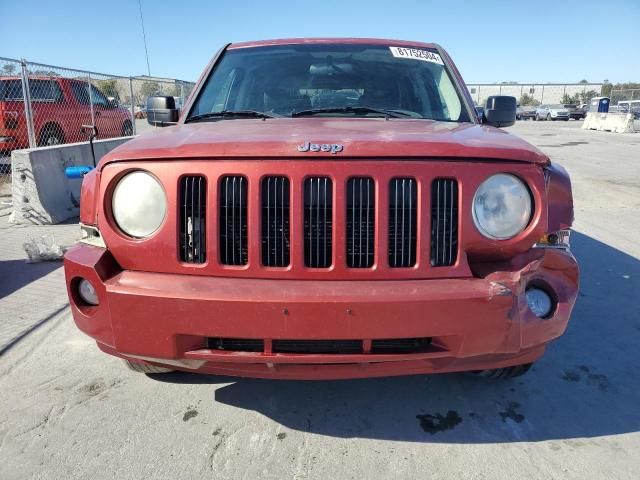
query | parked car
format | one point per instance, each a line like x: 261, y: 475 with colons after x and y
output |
x: 633, y: 106
x: 260, y: 236
x: 60, y: 107
x: 552, y: 112
x: 575, y: 111
x: 526, y: 112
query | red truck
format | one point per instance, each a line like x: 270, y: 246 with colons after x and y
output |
x: 60, y: 107
x: 323, y: 209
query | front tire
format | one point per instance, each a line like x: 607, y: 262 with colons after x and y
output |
x: 51, y: 135
x: 144, y: 368
x: 504, y: 373
x: 549, y: 117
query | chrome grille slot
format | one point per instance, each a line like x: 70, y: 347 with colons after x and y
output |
x: 275, y: 222
x: 360, y: 222
x: 444, y: 222
x: 233, y: 220
x: 403, y: 199
x: 193, y: 201
x: 318, y: 222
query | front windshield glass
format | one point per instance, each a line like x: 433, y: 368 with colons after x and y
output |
x: 346, y: 79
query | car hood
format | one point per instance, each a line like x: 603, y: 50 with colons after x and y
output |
x: 360, y: 137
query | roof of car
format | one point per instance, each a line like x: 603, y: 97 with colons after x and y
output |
x: 360, y: 41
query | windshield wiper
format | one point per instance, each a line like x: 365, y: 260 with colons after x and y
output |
x: 228, y: 115
x: 356, y: 110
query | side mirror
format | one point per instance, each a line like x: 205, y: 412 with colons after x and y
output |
x: 112, y: 103
x: 500, y: 111
x: 161, y: 111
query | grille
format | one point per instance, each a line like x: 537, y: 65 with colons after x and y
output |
x: 380, y: 346
x: 236, y: 344
x: 402, y: 222
x: 360, y: 222
x: 317, y: 346
x: 193, y: 201
x: 233, y: 220
x: 444, y: 222
x: 318, y: 222
x: 275, y: 222
x: 400, y: 345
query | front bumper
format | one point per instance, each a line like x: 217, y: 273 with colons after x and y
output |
x: 473, y: 323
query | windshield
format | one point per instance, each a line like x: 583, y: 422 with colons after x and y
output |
x: 344, y: 80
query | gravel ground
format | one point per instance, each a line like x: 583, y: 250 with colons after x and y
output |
x: 69, y: 411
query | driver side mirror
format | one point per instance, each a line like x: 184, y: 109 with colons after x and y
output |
x: 161, y: 111
x: 112, y: 103
x: 500, y: 111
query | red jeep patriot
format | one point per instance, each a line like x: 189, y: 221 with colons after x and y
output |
x: 326, y: 208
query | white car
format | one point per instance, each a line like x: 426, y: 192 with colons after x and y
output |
x: 552, y: 112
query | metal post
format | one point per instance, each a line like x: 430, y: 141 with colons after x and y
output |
x: 542, y: 97
x: 26, y: 98
x: 133, y: 108
x: 93, y: 115
x: 500, y: 91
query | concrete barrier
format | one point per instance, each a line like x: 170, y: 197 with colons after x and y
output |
x: 609, y: 122
x: 40, y: 191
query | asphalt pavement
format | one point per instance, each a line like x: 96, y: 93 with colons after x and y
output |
x: 69, y: 411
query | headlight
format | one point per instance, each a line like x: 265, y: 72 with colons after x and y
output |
x: 501, y: 206
x: 139, y: 204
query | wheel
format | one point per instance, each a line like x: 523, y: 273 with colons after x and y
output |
x: 127, y: 129
x: 503, y: 373
x: 565, y: 119
x: 549, y: 116
x: 51, y: 135
x: 535, y: 119
x: 144, y: 368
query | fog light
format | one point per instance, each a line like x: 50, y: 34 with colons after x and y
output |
x: 87, y: 292
x: 539, y: 301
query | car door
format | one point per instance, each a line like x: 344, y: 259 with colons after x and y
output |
x: 81, y: 109
x: 107, y: 116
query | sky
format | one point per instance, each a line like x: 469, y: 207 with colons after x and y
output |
x: 490, y: 41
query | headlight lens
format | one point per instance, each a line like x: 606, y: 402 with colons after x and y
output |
x: 139, y: 204
x: 501, y: 206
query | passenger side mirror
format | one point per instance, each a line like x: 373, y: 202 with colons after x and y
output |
x: 500, y: 111
x: 162, y: 111
x: 112, y: 103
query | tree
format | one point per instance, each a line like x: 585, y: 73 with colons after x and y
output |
x: 149, y: 89
x: 109, y: 87
x: 566, y: 98
x: 8, y: 69
x: 586, y: 96
x: 583, y: 81
x: 526, y: 99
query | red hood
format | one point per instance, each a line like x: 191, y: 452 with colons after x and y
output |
x: 361, y: 138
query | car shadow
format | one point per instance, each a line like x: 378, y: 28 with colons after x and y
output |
x: 15, y: 274
x: 587, y: 385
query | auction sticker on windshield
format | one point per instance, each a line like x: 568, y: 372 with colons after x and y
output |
x: 416, y: 54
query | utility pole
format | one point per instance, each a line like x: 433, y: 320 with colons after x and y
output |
x: 144, y: 37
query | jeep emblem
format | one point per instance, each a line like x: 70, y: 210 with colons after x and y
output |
x: 317, y: 147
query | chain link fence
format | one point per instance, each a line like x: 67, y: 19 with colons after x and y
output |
x: 537, y: 94
x: 43, y: 105
x: 626, y: 101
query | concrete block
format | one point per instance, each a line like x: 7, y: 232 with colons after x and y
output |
x: 41, y: 193
x: 609, y: 122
